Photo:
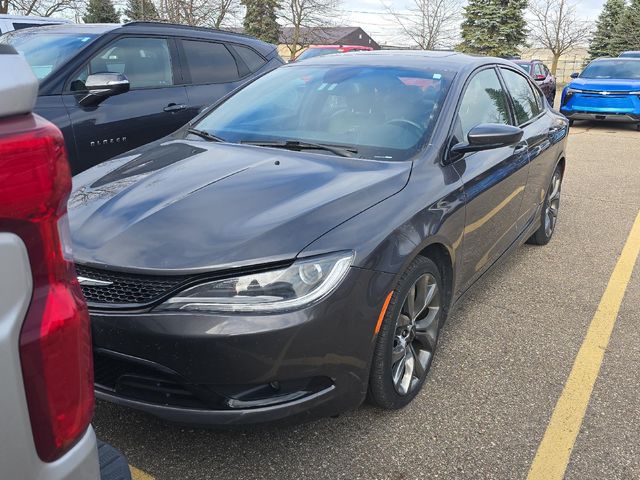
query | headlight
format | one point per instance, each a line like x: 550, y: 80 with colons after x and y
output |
x: 303, y: 283
x: 571, y: 91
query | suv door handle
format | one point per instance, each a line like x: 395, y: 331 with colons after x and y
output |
x: 174, y: 107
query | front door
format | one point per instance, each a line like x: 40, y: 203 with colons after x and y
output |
x: 494, y: 180
x: 154, y: 107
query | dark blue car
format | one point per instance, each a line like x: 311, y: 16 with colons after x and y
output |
x: 608, y: 89
x: 111, y: 88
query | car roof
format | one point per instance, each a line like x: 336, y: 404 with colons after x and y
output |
x: 97, y: 28
x: 198, y: 32
x: 406, y: 58
x: 617, y: 59
x: 32, y: 18
x: 336, y: 46
x: 161, y: 28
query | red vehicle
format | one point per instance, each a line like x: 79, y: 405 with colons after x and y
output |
x: 317, y: 50
x: 543, y: 77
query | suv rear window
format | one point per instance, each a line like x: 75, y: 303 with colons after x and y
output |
x: 251, y: 58
x: 210, y: 62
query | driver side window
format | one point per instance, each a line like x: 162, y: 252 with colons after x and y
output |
x: 146, y: 62
x: 484, y: 101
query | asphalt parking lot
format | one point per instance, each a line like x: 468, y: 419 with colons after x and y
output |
x: 503, y: 362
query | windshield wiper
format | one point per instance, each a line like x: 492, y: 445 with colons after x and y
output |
x: 297, y: 145
x: 206, y: 135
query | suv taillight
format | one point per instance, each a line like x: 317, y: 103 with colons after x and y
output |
x: 55, y: 340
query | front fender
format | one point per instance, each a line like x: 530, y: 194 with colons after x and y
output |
x: 389, y: 235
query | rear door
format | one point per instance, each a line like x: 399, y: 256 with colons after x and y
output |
x: 532, y: 116
x: 213, y: 69
x: 156, y: 104
x: 494, y: 180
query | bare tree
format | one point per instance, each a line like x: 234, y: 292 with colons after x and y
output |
x: 306, y: 18
x: 223, y: 10
x: 556, y: 26
x: 43, y: 8
x: 210, y: 13
x: 429, y: 24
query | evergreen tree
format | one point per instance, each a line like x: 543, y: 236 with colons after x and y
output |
x: 140, y: 10
x: 602, y: 42
x: 627, y: 34
x: 494, y: 27
x: 101, y: 11
x: 260, y: 19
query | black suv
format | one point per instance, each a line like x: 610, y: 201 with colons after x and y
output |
x: 111, y: 88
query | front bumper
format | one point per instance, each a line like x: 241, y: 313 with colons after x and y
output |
x: 207, y: 369
x: 597, y: 106
x: 607, y: 117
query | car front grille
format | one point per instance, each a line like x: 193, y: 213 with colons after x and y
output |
x: 126, y: 288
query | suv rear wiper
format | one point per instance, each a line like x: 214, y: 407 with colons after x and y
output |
x: 298, y: 145
x: 206, y: 135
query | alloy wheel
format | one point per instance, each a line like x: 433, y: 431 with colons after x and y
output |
x: 416, y: 334
x: 553, y: 204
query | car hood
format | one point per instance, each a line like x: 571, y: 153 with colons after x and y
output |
x: 609, y: 85
x: 189, y: 206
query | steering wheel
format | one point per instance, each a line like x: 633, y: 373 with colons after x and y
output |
x: 403, y: 122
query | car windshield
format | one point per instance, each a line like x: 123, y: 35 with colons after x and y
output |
x: 630, y: 54
x: 525, y: 66
x: 316, y: 52
x: 624, y: 69
x: 46, y: 51
x: 376, y: 112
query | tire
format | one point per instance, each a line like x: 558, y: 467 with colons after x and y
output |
x: 405, y: 346
x: 550, y: 210
x: 571, y: 122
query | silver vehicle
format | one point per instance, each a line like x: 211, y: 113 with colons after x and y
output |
x: 46, y: 372
x: 18, y: 22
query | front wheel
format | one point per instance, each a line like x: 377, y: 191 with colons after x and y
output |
x: 550, y: 211
x: 408, y: 336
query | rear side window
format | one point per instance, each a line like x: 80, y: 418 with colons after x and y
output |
x: 251, y: 58
x: 539, y: 70
x: 484, y: 101
x: 209, y: 62
x: 526, y: 103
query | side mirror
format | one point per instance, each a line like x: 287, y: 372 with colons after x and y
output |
x: 574, y: 75
x: 488, y: 136
x: 103, y: 85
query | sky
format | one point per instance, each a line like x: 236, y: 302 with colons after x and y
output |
x: 373, y: 18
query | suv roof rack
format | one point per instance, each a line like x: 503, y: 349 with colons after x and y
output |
x: 181, y: 25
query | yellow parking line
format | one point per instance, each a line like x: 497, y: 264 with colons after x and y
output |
x: 137, y: 474
x: 552, y: 457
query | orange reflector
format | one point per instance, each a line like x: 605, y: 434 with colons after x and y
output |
x: 383, y: 312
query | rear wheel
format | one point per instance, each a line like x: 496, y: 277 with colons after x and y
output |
x: 408, y: 336
x: 550, y: 211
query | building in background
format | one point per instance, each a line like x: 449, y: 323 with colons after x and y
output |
x: 324, y: 36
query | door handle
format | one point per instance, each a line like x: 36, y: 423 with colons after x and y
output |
x: 174, y: 107
x: 521, y: 147
x: 554, y: 130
